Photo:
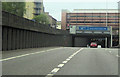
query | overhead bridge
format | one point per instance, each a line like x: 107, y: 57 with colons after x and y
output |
x: 84, y: 35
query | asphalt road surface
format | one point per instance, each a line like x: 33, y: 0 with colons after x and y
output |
x: 60, y: 61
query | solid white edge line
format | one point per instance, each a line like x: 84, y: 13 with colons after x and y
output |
x: 24, y: 55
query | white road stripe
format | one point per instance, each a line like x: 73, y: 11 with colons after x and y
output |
x: 64, y: 61
x: 25, y: 55
x: 55, y: 70
x: 72, y: 55
x: 68, y: 59
x: 60, y: 65
x: 117, y: 55
x: 49, y: 75
x: 110, y: 51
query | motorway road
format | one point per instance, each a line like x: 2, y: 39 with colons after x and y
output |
x: 60, y: 61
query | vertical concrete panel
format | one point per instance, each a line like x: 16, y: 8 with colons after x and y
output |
x: 23, y: 39
x: 0, y: 37
x: 32, y: 39
x: 81, y: 42
x: 39, y: 39
x: 13, y: 39
x: 9, y: 38
x: 17, y: 39
x: 4, y: 39
x: 27, y: 39
x: 20, y: 40
x: 36, y: 39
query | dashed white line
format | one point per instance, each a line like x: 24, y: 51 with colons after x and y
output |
x: 117, y: 55
x: 55, y: 70
x: 64, y: 62
x: 110, y: 51
x: 70, y: 57
x: 60, y: 65
x: 67, y: 59
x: 49, y: 75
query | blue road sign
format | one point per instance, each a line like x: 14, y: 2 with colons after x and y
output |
x: 93, y: 28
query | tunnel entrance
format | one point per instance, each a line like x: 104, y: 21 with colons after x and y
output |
x: 99, y: 41
x: 84, y: 40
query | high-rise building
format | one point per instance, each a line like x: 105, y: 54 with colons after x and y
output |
x: 33, y: 9
x: 90, y: 17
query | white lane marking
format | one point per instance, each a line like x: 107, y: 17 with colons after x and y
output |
x: 55, y: 70
x: 68, y: 59
x: 64, y: 62
x: 110, y: 51
x: 117, y: 55
x: 60, y: 65
x: 26, y: 55
x: 72, y: 55
x: 49, y: 75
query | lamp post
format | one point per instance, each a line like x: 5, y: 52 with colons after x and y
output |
x: 119, y: 19
x: 106, y: 24
x: 111, y: 36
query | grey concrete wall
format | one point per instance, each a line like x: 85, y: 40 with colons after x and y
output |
x: 81, y: 41
x: 14, y: 38
x: 20, y: 33
x: 0, y: 38
x: 0, y: 26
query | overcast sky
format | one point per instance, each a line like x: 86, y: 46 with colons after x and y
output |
x: 54, y: 7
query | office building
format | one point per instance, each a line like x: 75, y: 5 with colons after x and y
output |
x: 91, y: 17
x: 33, y: 9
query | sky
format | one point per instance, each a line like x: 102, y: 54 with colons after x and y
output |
x: 54, y: 7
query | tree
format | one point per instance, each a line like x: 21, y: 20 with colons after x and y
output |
x: 17, y: 8
x: 42, y: 18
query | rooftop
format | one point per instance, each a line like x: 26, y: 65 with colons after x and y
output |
x: 95, y: 11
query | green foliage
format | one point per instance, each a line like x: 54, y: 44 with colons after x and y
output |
x: 17, y: 8
x: 42, y: 18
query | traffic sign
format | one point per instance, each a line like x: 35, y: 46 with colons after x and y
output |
x: 93, y: 28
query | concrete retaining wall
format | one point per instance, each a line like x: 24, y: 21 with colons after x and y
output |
x: 81, y: 41
x: 20, y: 33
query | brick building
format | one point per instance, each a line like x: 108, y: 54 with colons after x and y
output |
x: 90, y: 17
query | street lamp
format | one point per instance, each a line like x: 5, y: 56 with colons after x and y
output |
x: 119, y: 20
x: 106, y: 23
